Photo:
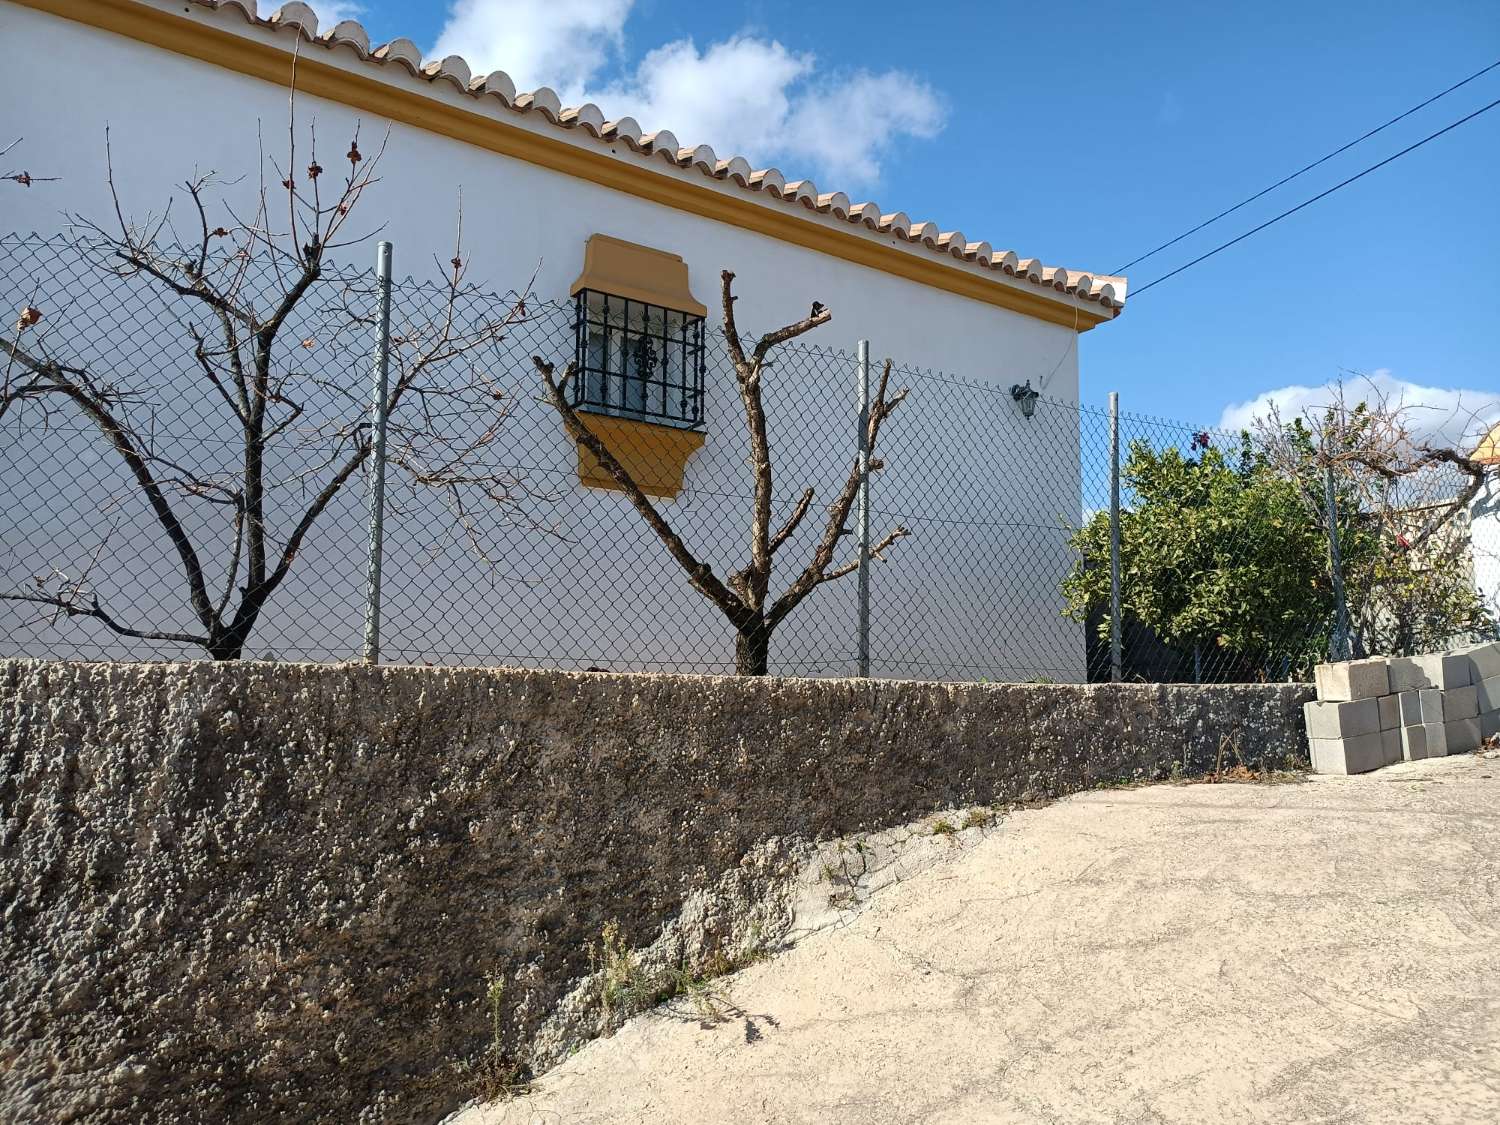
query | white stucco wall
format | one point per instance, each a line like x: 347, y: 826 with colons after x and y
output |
x: 1484, y: 542
x: 980, y: 601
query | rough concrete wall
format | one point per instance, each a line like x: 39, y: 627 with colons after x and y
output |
x: 273, y: 892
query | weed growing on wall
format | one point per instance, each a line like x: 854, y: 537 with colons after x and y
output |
x: 495, y: 1075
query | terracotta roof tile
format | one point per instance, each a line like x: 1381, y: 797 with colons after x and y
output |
x: 300, y: 19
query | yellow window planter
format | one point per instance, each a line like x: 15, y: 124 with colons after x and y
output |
x: 655, y: 456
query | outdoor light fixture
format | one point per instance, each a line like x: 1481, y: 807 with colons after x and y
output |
x: 1026, y: 396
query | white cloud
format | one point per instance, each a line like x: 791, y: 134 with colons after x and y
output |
x: 851, y: 124
x: 733, y: 96
x: 332, y: 12
x: 756, y: 98
x: 557, y: 43
x: 745, y: 95
x: 1438, y: 416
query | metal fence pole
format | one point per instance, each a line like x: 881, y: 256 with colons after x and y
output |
x: 862, y: 514
x: 1114, y: 537
x: 1336, y: 568
x: 377, y: 454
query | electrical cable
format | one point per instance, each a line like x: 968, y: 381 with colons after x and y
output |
x: 1314, y: 199
x: 1308, y: 167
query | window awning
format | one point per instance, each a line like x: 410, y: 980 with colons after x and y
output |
x: 623, y: 269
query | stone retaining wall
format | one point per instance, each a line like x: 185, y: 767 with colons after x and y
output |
x: 275, y: 892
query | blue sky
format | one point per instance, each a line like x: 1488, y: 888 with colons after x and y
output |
x: 1085, y: 134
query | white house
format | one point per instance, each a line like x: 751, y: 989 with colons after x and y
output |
x: 1484, y: 524
x: 591, y: 205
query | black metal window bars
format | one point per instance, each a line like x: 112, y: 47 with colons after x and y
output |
x: 637, y: 360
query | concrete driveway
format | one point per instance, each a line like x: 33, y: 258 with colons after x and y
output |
x: 1318, y: 952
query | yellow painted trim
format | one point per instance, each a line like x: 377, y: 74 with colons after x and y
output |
x: 273, y: 63
x: 1487, y: 452
x: 626, y: 269
x: 655, y: 456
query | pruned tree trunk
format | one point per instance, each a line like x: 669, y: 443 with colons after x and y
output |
x: 742, y: 597
x: 752, y: 651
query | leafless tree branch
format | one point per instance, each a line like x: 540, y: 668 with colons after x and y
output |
x: 235, y: 324
x: 742, y: 598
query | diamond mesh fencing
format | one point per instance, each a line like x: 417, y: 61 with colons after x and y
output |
x: 170, y: 490
x: 1440, y: 585
x: 1193, y: 578
x: 1484, y: 547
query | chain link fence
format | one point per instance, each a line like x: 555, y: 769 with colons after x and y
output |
x: 145, y: 503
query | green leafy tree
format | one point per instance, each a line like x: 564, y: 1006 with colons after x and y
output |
x: 1216, y: 552
x: 1229, y: 552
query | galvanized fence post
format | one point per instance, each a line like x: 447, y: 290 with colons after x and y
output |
x: 1340, y: 646
x: 862, y: 512
x: 377, y: 454
x: 1114, y: 537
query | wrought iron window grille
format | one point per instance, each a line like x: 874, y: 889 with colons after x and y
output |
x: 637, y: 360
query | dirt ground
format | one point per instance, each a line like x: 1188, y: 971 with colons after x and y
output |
x: 1319, y: 952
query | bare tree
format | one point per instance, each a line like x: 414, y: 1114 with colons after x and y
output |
x: 249, y: 297
x: 20, y: 175
x: 1404, y: 502
x: 743, y: 596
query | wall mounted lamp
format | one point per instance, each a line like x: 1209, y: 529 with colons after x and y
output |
x: 1026, y: 397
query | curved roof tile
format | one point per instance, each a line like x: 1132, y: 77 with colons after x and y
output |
x: 453, y: 68
x: 625, y: 129
x: 348, y: 33
x: 701, y: 157
x: 802, y: 191
x: 586, y: 116
x: 769, y: 179
x: 403, y: 51
x: 544, y: 100
x: 294, y: 14
x: 497, y: 84
x: 834, y: 202
x: 736, y: 168
x: 897, y: 223
x: 1106, y: 291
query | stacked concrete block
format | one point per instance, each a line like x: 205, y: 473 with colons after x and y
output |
x: 1353, y: 679
x: 1440, y: 670
x: 1344, y: 732
x: 1390, y: 727
x: 1483, y: 707
x: 1422, y: 731
x: 1370, y: 713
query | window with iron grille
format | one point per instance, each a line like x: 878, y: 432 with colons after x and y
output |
x: 638, y: 360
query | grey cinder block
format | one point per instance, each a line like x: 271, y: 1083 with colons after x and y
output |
x: 1422, y: 706
x: 1489, y: 724
x: 1437, y: 739
x: 1390, y: 745
x: 1461, y: 703
x: 1347, y: 755
x: 1462, y: 735
x: 1423, y: 741
x: 1489, y: 694
x: 1484, y: 660
x: 1352, y: 679
x: 1342, y: 720
x: 1390, y: 712
x: 1413, y: 743
x: 1439, y: 670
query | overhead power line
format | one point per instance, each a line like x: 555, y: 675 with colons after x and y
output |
x: 1320, y: 195
x: 1307, y: 168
